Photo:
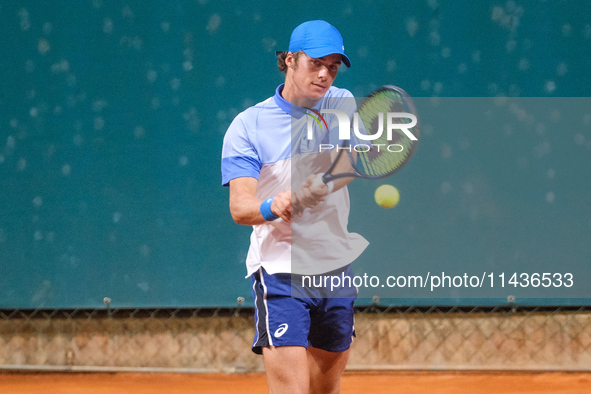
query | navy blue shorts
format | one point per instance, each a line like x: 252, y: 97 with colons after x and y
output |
x: 317, y: 321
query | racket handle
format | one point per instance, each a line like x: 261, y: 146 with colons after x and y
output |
x: 319, y: 181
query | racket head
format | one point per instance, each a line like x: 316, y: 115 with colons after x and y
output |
x: 383, y: 156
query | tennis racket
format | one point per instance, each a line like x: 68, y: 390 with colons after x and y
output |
x: 384, y: 155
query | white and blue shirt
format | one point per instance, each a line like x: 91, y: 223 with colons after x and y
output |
x: 269, y: 142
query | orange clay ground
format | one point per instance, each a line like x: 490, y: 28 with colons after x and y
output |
x: 375, y: 382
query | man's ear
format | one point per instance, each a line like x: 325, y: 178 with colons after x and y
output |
x: 289, y: 60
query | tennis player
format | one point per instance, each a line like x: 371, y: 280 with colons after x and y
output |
x: 299, y: 227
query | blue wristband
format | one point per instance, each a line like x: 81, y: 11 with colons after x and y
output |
x: 268, y: 215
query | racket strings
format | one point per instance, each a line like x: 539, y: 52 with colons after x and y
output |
x: 380, y: 160
x: 370, y: 113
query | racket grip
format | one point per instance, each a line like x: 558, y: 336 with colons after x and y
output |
x: 319, y: 181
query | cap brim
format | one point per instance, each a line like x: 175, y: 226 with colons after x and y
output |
x: 321, y: 52
x: 344, y: 57
x: 346, y: 60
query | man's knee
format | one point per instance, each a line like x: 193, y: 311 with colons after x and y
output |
x: 287, y: 369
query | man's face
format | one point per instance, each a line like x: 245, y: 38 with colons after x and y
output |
x: 312, y: 77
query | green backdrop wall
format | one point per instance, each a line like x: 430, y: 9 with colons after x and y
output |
x: 112, y: 115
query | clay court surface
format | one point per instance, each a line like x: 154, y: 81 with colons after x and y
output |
x: 353, y: 382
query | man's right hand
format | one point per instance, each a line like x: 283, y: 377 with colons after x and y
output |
x: 281, y: 206
x: 309, y: 195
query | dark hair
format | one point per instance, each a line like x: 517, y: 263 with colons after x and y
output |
x: 281, y: 60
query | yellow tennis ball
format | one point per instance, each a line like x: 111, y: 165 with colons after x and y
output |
x: 387, y: 196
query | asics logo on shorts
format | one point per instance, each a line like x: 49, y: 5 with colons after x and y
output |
x: 281, y: 330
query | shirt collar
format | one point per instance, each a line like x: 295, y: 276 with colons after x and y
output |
x: 287, y: 107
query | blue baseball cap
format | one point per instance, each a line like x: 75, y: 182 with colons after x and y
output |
x: 317, y: 39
